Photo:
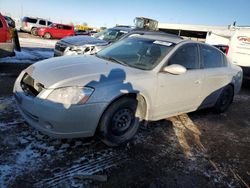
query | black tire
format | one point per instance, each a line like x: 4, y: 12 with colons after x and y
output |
x: 120, y: 122
x: 47, y: 36
x: 225, y: 99
x: 33, y: 31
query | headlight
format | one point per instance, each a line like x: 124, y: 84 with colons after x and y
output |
x: 77, y: 50
x: 70, y: 95
x: 74, y: 50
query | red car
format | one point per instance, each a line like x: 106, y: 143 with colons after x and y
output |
x: 56, y: 31
x: 6, y: 39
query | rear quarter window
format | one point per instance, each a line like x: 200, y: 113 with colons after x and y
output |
x: 1, y: 24
x: 211, y: 58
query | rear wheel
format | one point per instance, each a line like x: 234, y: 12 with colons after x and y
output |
x: 120, y: 122
x: 47, y: 36
x: 34, y: 31
x: 224, y: 100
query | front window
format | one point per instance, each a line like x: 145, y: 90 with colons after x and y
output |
x: 141, y: 53
x: 49, y: 23
x: 52, y: 25
x: 109, y: 35
x: 186, y: 56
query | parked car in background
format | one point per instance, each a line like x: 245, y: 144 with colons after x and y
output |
x: 56, y: 31
x: 145, y: 76
x: 87, y: 45
x: 223, y: 48
x: 8, y: 37
x: 82, y: 32
x: 30, y: 24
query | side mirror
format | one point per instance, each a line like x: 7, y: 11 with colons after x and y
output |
x: 175, y: 69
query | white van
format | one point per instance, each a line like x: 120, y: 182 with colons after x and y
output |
x: 237, y: 41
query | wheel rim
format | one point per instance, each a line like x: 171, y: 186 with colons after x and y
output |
x: 122, y: 121
x: 34, y: 31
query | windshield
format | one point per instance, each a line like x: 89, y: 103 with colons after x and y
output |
x: 109, y: 35
x: 137, y: 52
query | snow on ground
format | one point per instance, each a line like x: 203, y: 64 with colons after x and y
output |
x: 29, y: 55
x: 26, y: 151
x: 37, y: 43
x: 32, y: 50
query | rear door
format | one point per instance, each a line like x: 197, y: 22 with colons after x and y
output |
x: 180, y: 93
x: 216, y: 74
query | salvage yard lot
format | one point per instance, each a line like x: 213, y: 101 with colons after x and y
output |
x: 199, y: 149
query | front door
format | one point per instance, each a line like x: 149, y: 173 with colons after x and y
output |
x: 180, y: 93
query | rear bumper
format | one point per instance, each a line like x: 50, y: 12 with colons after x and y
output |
x: 7, y: 49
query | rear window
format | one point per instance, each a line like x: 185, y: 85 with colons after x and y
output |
x: 30, y: 20
x: 211, y: 57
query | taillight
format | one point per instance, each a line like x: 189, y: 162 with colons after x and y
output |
x: 226, y: 49
x: 8, y: 36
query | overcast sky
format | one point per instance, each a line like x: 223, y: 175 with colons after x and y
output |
x: 110, y: 12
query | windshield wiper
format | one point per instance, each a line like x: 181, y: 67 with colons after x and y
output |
x: 109, y: 58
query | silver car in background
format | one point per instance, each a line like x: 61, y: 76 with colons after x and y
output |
x: 78, y: 45
x: 146, y: 76
x: 30, y: 24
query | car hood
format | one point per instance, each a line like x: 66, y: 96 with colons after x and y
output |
x: 83, y: 40
x: 81, y: 70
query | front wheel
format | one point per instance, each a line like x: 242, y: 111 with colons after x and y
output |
x: 47, y: 36
x: 225, y: 99
x: 120, y: 122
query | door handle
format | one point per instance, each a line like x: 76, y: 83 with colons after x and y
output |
x: 197, y: 82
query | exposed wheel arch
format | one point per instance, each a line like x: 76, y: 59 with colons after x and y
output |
x: 225, y: 99
x: 141, y: 101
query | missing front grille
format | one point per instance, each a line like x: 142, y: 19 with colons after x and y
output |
x: 30, y: 86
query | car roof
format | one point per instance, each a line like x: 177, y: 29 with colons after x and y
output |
x: 123, y: 28
x: 63, y: 24
x: 37, y: 18
x: 156, y: 35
